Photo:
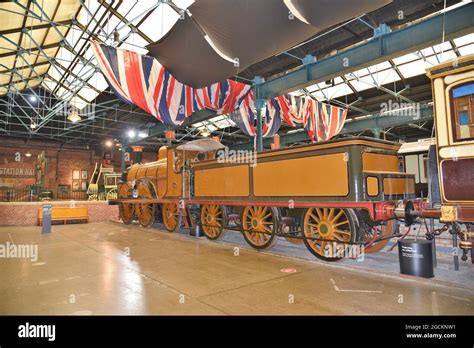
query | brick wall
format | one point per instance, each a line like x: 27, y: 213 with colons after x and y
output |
x: 61, y: 161
x: 20, y: 214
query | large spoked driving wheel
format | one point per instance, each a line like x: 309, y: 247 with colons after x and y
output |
x: 170, y: 216
x: 126, y: 210
x: 326, y: 229
x: 212, y: 220
x: 259, y: 225
x: 145, y: 211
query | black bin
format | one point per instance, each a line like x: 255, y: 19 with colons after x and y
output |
x: 416, y: 258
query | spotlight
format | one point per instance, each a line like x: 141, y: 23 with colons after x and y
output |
x: 108, y: 143
x: 74, y: 117
x: 33, y: 125
x: 32, y: 98
x: 142, y: 134
x: 28, y: 154
x: 131, y: 134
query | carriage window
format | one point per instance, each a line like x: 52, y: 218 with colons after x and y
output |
x: 462, y: 106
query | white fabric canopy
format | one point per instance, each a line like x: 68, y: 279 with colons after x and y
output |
x: 201, y: 145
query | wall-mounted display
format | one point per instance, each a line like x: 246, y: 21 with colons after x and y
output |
x: 76, y: 185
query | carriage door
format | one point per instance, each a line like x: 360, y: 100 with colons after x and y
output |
x: 456, y: 159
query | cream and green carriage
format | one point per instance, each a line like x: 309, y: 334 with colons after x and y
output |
x: 103, y: 184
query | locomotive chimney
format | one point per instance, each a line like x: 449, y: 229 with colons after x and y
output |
x: 138, y: 153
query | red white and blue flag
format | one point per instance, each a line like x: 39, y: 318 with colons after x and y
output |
x: 324, y: 120
x: 143, y: 81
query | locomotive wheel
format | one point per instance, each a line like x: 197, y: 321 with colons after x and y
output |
x: 170, y: 216
x: 259, y: 224
x: 145, y: 211
x: 330, y: 224
x: 212, y: 220
x: 126, y: 210
x: 384, y: 232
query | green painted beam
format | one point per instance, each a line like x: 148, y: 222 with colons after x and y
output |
x: 160, y: 128
x: 429, y: 32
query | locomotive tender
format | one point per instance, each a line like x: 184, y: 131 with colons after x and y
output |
x: 338, y: 192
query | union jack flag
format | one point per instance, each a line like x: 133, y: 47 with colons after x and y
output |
x: 143, y: 81
x: 324, y: 120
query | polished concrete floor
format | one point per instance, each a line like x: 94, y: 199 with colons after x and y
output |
x: 109, y: 268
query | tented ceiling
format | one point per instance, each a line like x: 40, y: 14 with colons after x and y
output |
x: 323, y: 14
x: 203, y: 48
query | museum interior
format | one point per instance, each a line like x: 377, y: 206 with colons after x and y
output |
x: 254, y: 157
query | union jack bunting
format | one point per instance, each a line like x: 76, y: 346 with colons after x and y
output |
x: 245, y: 117
x: 324, y: 120
x: 143, y: 81
x: 298, y: 110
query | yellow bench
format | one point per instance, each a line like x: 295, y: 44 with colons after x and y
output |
x: 65, y: 214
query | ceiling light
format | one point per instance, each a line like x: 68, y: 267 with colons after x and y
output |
x: 33, y: 125
x: 205, y: 132
x: 33, y: 98
x: 108, y: 143
x: 74, y: 117
x: 131, y: 134
x: 142, y: 134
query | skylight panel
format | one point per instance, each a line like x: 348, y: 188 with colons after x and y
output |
x: 405, y: 59
x: 413, y: 69
x: 464, y: 40
x: 158, y: 23
x: 135, y: 43
x: 466, y: 50
x: 361, y: 85
x: 98, y: 81
x: 337, y: 91
x: 88, y: 93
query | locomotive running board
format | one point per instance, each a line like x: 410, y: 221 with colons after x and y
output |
x: 372, y: 207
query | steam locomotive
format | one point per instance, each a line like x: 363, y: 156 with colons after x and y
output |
x: 330, y: 195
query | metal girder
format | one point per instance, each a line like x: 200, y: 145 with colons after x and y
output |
x: 198, y: 116
x: 35, y: 27
x: 32, y: 49
x: 428, y: 32
x: 127, y: 22
x: 373, y: 122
